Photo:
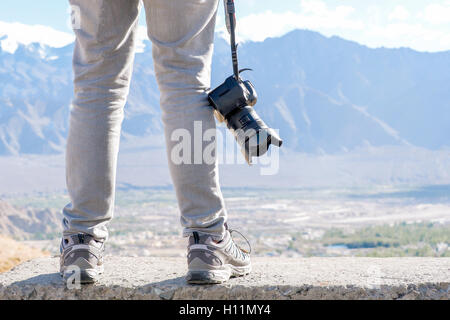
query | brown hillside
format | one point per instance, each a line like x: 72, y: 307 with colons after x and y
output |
x: 26, y: 223
x: 13, y: 253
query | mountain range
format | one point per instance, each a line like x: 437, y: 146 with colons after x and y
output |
x: 326, y: 95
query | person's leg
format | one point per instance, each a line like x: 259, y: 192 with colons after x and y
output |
x: 102, y: 64
x: 182, y: 32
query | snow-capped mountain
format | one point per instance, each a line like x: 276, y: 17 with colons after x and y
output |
x: 324, y: 94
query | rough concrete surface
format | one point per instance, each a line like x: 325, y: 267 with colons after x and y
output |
x: 272, y: 278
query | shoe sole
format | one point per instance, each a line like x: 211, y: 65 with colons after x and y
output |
x: 87, y: 276
x: 216, y: 276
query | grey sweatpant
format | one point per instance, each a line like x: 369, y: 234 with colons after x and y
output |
x: 182, y: 33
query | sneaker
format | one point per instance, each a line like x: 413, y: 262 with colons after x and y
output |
x: 81, y: 252
x: 212, y: 262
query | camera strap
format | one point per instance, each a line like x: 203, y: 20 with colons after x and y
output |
x: 230, y: 19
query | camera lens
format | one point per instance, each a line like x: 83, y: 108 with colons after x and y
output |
x: 251, y: 133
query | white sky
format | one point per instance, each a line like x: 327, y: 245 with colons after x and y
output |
x: 423, y: 25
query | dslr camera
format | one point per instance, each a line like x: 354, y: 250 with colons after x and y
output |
x: 234, y: 101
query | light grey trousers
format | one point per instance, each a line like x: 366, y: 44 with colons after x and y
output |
x: 182, y: 33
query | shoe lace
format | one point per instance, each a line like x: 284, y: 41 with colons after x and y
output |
x: 246, y: 240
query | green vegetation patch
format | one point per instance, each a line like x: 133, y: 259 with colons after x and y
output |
x: 418, y: 239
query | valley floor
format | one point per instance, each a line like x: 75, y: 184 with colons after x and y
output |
x: 380, y: 222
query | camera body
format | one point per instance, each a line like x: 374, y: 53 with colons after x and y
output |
x: 234, y: 101
x: 232, y: 95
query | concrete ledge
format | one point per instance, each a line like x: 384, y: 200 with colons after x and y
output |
x: 272, y: 278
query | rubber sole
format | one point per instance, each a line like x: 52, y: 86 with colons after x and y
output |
x: 87, y: 276
x: 216, y: 276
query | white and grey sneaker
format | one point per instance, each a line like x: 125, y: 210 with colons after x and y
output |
x: 212, y: 262
x: 81, y: 253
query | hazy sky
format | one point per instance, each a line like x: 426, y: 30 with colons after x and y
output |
x: 420, y: 24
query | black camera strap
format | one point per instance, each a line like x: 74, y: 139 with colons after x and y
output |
x: 230, y: 18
